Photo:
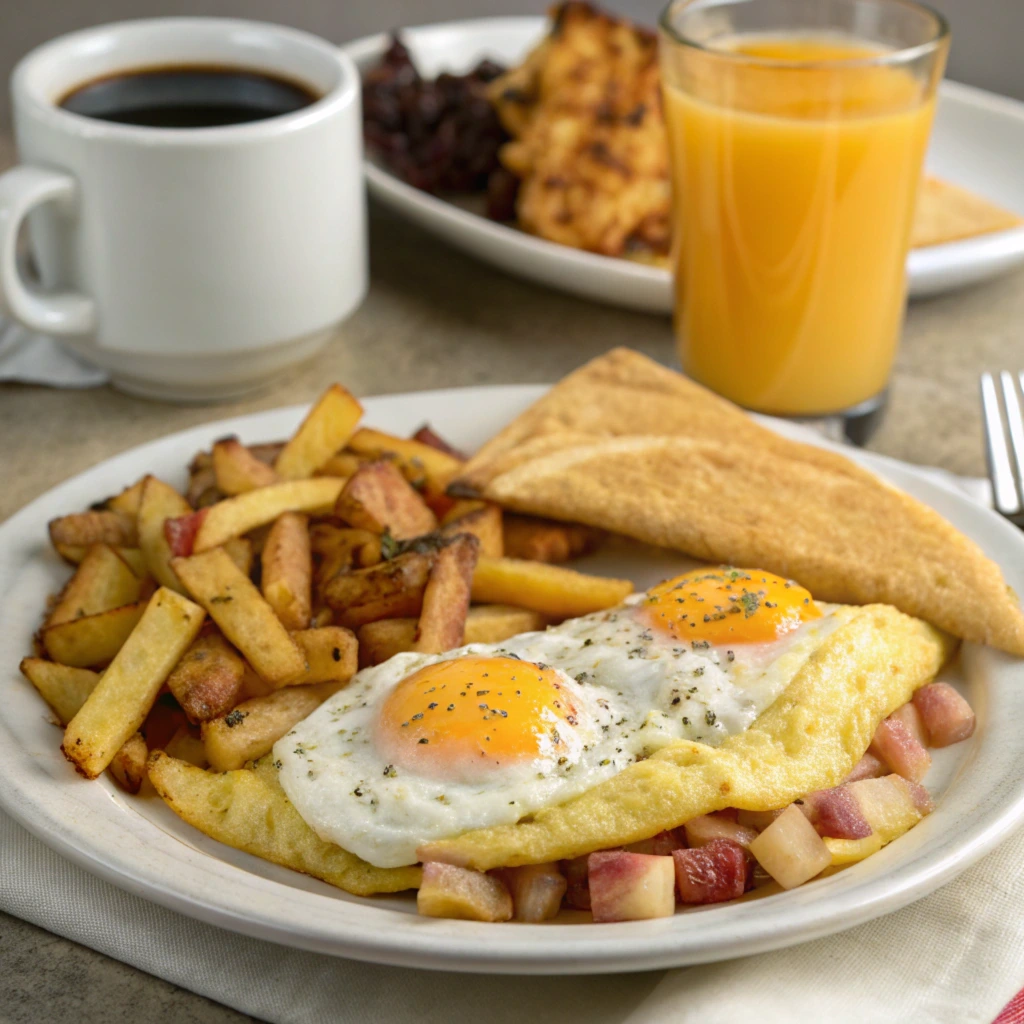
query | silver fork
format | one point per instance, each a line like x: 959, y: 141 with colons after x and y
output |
x: 1001, y: 405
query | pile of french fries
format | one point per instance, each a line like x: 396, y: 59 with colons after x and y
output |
x: 205, y: 625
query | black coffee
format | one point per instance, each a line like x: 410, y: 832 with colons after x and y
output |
x: 187, y: 97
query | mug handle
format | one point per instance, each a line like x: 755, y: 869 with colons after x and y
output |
x: 22, y: 189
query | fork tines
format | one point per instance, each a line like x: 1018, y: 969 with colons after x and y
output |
x: 1002, y: 402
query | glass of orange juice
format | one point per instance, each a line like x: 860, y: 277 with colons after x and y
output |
x: 797, y: 132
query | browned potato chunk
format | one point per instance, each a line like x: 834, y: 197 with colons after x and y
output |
x: 544, y: 540
x: 331, y: 654
x: 93, y: 639
x: 421, y: 464
x: 378, y: 498
x: 450, y: 891
x: 326, y: 428
x: 287, y: 563
x: 237, y: 470
x: 103, y: 581
x: 207, y: 682
x: 442, y: 622
x: 129, y: 764
x: 85, y: 528
x: 482, y: 520
x: 389, y: 590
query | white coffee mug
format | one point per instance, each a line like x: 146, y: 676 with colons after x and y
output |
x: 192, y: 263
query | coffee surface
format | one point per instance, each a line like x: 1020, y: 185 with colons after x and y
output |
x: 187, y: 97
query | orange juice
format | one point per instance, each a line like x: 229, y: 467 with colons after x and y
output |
x: 794, y: 192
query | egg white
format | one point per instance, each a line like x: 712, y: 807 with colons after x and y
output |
x: 637, y: 690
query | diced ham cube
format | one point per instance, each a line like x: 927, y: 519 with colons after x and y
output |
x: 868, y: 767
x: 661, y: 845
x: 451, y: 891
x: 180, y: 532
x: 790, y: 850
x: 709, y: 827
x: 947, y: 717
x: 713, y: 873
x: 897, y: 746
x: 631, y: 886
x: 537, y: 891
x: 577, y: 893
x: 835, y: 813
x: 758, y: 820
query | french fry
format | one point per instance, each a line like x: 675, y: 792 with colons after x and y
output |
x: 208, y: 680
x: 480, y: 518
x: 128, y: 765
x: 186, y: 747
x: 237, y: 470
x: 243, y: 616
x: 127, y: 502
x: 254, y: 726
x: 92, y: 639
x: 82, y: 529
x: 159, y: 502
x: 331, y: 654
x: 378, y: 498
x: 389, y: 590
x: 421, y: 464
x: 103, y: 581
x: 62, y: 687
x: 287, y: 565
x: 326, y: 428
x: 113, y: 712
x: 442, y: 622
x: 343, y: 464
x: 549, y: 589
x: 544, y: 540
x: 244, y: 512
x: 74, y: 553
x: 485, y: 624
x: 239, y: 550
x: 242, y: 809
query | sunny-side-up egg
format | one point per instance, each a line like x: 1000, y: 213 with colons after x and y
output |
x: 426, y: 747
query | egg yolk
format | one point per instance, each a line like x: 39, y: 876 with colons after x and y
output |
x: 729, y: 606
x: 470, y: 716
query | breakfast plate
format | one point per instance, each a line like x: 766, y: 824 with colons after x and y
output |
x: 976, y: 141
x: 140, y: 845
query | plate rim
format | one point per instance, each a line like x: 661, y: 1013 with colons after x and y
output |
x: 457, y: 945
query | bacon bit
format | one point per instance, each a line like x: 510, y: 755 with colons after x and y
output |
x: 180, y: 532
x: 426, y: 435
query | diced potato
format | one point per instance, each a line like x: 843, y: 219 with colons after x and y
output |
x: 758, y: 820
x: 713, y: 873
x: 849, y: 851
x: 485, y: 624
x: 287, y: 566
x: 537, y: 891
x: 208, y: 680
x: 202, y: 487
x: 450, y: 891
x: 117, y: 706
x: 129, y: 764
x: 392, y: 589
x: 338, y: 549
x: 238, y: 608
x: 790, y: 850
x: 132, y: 557
x: 911, y: 718
x: 709, y: 827
x: 442, y: 622
x: 244, y: 512
x: 946, y: 717
x: 482, y: 520
x: 544, y: 540
x: 94, y: 639
x: 664, y: 844
x: 237, y: 470
x: 888, y: 806
x: 254, y: 726
x: 868, y: 767
x: 186, y: 747
x: 421, y: 464
x: 343, y: 464
x: 83, y: 529
x: 103, y: 581
x: 62, y: 687
x: 895, y: 744
x: 129, y: 500
x: 325, y: 430
x: 244, y: 810
x: 551, y: 590
x: 630, y: 886
x: 378, y: 498
x: 331, y: 654
x: 160, y: 502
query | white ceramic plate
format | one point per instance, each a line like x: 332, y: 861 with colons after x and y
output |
x: 977, y: 142
x: 142, y: 847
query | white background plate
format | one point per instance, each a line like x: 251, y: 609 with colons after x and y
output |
x: 141, y: 846
x: 977, y: 142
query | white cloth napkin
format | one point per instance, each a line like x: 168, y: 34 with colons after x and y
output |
x: 27, y: 358
x: 955, y: 957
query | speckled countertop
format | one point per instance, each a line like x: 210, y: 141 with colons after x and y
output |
x: 434, y: 318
